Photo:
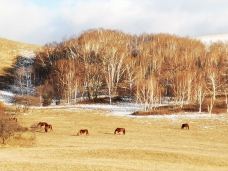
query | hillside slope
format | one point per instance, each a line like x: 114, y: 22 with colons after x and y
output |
x: 10, y: 49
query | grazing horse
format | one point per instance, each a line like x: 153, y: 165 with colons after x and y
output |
x: 185, y: 125
x: 83, y: 132
x: 48, y: 126
x: 119, y: 131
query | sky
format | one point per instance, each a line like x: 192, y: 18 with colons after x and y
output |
x: 45, y: 21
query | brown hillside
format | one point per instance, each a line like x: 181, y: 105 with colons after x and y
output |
x: 10, y: 49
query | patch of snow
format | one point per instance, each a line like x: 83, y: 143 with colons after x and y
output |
x: 6, y: 97
x: 209, y: 39
x: 6, y: 93
x: 183, y: 116
x: 126, y: 109
x: 27, y: 53
x: 117, y: 109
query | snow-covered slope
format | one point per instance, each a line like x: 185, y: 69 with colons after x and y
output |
x: 208, y: 39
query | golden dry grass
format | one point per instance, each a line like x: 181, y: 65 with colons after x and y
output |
x: 149, y: 144
x: 9, y: 50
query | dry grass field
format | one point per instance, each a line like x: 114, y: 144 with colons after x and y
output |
x: 9, y: 50
x: 149, y: 144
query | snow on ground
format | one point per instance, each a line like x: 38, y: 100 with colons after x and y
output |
x: 208, y: 39
x: 126, y: 109
x: 118, y: 109
x: 27, y: 53
x: 6, y: 96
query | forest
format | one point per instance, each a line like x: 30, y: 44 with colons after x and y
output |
x: 149, y: 69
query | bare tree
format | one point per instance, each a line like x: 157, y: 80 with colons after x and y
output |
x: 152, y: 67
x: 226, y: 100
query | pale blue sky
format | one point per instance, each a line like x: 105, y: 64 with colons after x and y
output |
x: 43, y: 21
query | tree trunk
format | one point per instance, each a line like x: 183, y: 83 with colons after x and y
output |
x: 110, y: 96
x: 75, y: 96
x: 226, y: 102
x: 40, y: 100
x: 210, y: 107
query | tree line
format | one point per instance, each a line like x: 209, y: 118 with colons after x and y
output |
x: 147, y: 68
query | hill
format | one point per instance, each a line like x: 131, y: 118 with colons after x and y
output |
x: 10, y: 49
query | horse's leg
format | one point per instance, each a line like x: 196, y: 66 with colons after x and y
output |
x: 46, y: 129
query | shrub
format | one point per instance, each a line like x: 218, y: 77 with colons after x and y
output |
x: 7, y: 127
x: 27, y: 100
x: 47, y: 99
x: 2, y: 107
x: 25, y: 139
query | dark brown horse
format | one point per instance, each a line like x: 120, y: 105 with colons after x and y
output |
x: 45, y: 125
x: 185, y: 126
x: 120, y: 131
x: 83, y: 132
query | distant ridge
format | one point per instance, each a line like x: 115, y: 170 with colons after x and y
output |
x: 208, y: 39
x: 10, y: 49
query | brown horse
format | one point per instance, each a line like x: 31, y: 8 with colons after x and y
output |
x: 185, y: 126
x: 83, y: 132
x: 47, y: 127
x: 120, y: 131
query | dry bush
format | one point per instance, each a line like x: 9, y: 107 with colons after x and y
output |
x: 27, y: 100
x: 8, y: 125
x: 104, y: 100
x: 163, y: 110
x: 219, y: 107
x: 47, y: 99
x: 23, y: 139
x: 2, y: 107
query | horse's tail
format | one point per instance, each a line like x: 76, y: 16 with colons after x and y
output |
x: 124, y: 131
